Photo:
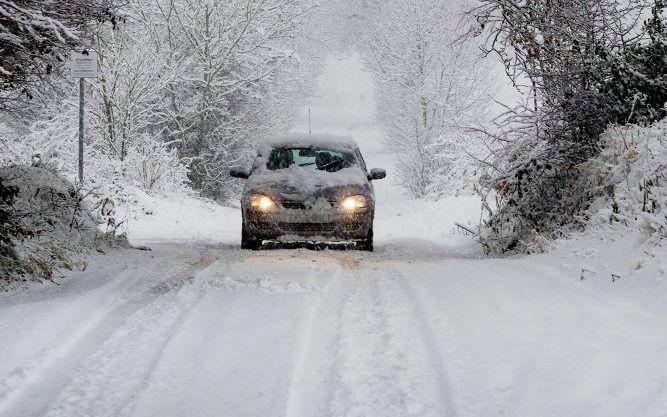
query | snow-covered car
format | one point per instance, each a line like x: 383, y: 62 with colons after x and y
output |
x: 308, y: 188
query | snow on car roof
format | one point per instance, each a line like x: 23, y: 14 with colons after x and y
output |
x: 306, y: 140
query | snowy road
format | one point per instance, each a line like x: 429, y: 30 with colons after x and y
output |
x: 424, y: 326
x: 216, y: 331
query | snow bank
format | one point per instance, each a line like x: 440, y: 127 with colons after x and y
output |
x: 623, y: 248
x: 406, y: 228
x: 59, y: 225
x: 178, y: 217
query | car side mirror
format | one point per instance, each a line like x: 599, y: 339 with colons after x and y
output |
x: 377, y: 174
x: 239, y: 173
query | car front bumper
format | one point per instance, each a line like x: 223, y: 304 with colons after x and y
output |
x: 308, y: 225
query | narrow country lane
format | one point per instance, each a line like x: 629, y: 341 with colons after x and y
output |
x: 328, y: 333
x: 425, y: 326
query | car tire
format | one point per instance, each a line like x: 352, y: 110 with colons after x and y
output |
x: 366, y: 244
x: 248, y: 241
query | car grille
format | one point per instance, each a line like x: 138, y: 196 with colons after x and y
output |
x: 298, y: 228
x: 300, y: 205
x: 293, y: 205
x: 308, y: 229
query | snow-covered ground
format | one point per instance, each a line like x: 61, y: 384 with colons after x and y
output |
x: 423, y: 326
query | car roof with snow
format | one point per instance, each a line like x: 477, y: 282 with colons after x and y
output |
x: 306, y: 140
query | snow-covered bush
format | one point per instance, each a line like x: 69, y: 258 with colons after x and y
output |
x: 579, y: 73
x: 45, y: 223
x: 630, y: 178
x: 155, y: 168
x: 149, y: 163
x: 532, y: 202
x: 110, y: 184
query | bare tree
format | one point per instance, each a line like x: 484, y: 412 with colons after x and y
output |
x: 185, y: 86
x: 239, y: 81
x: 431, y: 90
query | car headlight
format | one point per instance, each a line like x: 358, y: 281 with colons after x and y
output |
x: 261, y: 203
x: 354, y: 202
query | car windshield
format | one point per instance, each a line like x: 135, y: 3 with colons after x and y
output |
x: 313, y: 159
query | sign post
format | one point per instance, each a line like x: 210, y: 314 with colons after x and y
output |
x: 82, y: 66
x: 82, y: 91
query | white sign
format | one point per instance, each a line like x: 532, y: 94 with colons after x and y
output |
x: 83, y: 66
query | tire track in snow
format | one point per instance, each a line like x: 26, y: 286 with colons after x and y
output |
x: 45, y: 375
x: 384, y: 366
x: 62, y: 389
x: 312, y: 375
x: 234, y: 353
x: 434, y: 351
x: 367, y: 350
x: 120, y: 369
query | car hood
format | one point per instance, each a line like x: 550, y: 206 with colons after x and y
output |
x: 298, y: 184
